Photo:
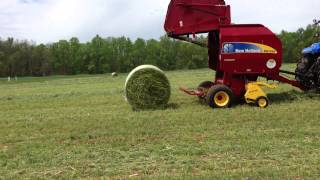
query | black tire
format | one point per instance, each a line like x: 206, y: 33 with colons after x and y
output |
x: 302, y: 70
x: 316, y: 71
x: 205, y: 86
x: 308, y: 71
x: 215, y: 91
x: 265, y: 101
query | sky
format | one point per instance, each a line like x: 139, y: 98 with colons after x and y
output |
x: 45, y: 21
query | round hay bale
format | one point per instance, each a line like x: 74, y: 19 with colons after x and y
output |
x: 114, y: 74
x: 147, y: 87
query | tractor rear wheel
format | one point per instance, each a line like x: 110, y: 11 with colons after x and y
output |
x: 220, y: 96
x: 308, y: 70
x: 204, y: 87
x: 304, y: 75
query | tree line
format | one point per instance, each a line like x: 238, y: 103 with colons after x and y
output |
x: 100, y: 55
x: 106, y: 55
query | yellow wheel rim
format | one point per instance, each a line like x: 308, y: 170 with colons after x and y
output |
x: 262, y: 102
x: 221, y: 99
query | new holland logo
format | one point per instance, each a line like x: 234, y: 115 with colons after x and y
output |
x: 247, y: 47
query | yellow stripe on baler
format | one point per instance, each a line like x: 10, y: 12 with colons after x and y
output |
x: 265, y: 48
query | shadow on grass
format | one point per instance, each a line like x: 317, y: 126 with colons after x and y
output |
x: 172, y: 106
x: 290, y: 96
x: 169, y: 106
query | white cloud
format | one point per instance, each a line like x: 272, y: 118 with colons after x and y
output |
x: 51, y: 20
x: 276, y: 14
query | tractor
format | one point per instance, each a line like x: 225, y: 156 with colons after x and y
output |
x: 308, y: 68
x: 238, y: 53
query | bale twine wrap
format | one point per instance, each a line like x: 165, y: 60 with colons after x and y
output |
x: 147, y: 87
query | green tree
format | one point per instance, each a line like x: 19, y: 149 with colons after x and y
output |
x: 41, y: 64
x: 168, y: 53
x: 62, y: 57
x: 152, y: 52
x: 95, y: 53
x: 138, y: 54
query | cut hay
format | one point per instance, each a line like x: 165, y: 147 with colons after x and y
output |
x: 147, y: 87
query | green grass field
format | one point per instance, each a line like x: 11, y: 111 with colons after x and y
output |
x: 81, y: 127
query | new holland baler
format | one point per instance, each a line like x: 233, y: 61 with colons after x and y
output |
x: 239, y: 53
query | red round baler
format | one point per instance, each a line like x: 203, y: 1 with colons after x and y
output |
x: 239, y: 53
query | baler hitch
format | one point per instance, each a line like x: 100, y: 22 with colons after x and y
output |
x: 193, y: 92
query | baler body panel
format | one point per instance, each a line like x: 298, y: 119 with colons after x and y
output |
x: 247, y: 49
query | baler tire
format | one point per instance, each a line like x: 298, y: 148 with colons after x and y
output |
x: 220, y: 93
x: 262, y: 102
x: 206, y: 85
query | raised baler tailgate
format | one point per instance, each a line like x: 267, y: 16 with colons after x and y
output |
x: 191, y: 17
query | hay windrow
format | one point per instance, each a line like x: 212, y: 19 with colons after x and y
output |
x: 147, y: 87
